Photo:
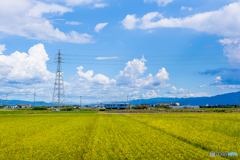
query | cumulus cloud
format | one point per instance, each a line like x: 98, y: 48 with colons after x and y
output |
x: 25, y: 67
x: 73, y: 23
x: 2, y: 48
x: 195, y: 94
x: 40, y: 8
x: 218, y: 79
x: 180, y: 93
x: 187, y: 95
x: 134, y: 69
x: 228, y: 76
x: 130, y: 21
x: 184, y: 8
x: 150, y: 94
x: 100, y: 5
x: 98, y: 78
x: 159, y: 2
x: 232, y: 50
x: 100, y: 26
x: 135, y: 93
x: 174, y: 90
x: 25, y: 18
x: 224, y: 22
x: 127, y: 82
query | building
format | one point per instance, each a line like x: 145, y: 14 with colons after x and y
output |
x: 168, y: 103
x: 11, y: 107
x: 24, y: 105
x: 176, y: 104
x: 163, y: 104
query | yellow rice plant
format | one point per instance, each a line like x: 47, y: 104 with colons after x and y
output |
x: 216, y: 132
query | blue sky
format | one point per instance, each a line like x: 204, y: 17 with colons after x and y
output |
x: 111, y: 49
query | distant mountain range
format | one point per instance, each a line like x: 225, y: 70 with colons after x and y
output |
x: 13, y: 102
x: 229, y: 98
x: 224, y: 99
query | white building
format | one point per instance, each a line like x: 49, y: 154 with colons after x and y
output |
x: 11, y: 107
x: 24, y: 105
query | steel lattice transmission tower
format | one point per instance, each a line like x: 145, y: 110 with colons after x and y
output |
x: 58, y: 93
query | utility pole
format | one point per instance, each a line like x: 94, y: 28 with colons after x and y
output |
x: 58, y: 93
x: 6, y: 99
x: 80, y: 101
x: 34, y: 99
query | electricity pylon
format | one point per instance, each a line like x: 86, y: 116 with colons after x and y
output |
x: 58, y: 93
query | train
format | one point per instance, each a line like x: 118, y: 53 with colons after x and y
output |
x: 117, y: 106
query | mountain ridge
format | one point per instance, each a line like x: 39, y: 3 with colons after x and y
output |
x: 223, y: 99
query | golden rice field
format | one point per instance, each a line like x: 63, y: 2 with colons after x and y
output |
x: 118, y: 136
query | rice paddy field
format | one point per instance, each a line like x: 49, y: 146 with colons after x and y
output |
x: 93, y: 135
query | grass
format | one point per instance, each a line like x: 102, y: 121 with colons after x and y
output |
x: 89, y: 135
x: 30, y: 111
x: 21, y: 111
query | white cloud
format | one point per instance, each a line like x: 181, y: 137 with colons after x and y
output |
x: 188, y: 8
x: 100, y: 85
x: 2, y: 48
x: 135, y: 93
x: 180, y: 93
x: 76, y: 2
x: 14, y: 7
x: 197, y: 94
x: 40, y: 8
x: 228, y: 86
x: 188, y: 95
x: 150, y: 94
x: 100, y: 26
x: 232, y: 50
x: 229, y: 41
x: 28, y: 21
x: 73, y: 23
x: 218, y: 79
x: 104, y: 58
x: 159, y: 2
x: 183, y: 8
x: 157, y: 81
x: 174, y: 90
x: 99, y: 78
x: 203, y: 86
x: 130, y: 21
x: 134, y: 69
x: 23, y: 67
x: 100, y: 5
x: 224, y: 22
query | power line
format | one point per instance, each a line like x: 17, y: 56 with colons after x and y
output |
x: 115, y: 64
